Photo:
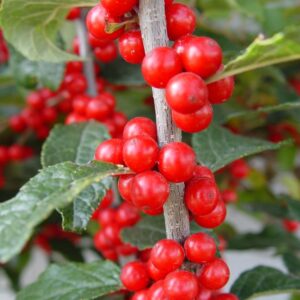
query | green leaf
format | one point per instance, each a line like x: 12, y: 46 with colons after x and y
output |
x: 74, y: 281
x: 263, y: 280
x: 77, y: 143
x: 217, y: 147
x: 54, y: 187
x: 292, y: 262
x: 32, y: 26
x: 280, y: 48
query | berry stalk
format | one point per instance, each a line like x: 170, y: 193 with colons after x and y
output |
x: 154, y: 32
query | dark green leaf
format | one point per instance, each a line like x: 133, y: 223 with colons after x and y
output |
x: 217, y: 147
x: 292, y: 262
x: 74, y: 281
x: 262, y: 281
x: 67, y: 249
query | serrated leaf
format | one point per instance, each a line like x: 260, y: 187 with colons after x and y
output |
x: 32, y: 26
x: 217, y: 147
x: 263, y: 52
x: 74, y: 281
x: 263, y: 280
x: 54, y: 187
x: 77, y: 143
x: 292, y: 262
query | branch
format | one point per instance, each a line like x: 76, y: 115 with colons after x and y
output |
x: 154, y: 32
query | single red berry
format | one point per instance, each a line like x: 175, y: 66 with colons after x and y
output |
x: 157, y: 292
x: 94, y: 42
x: 202, y: 56
x: 73, y: 14
x: 74, y: 67
x: 107, y: 200
x: 106, y: 216
x: 35, y: 100
x: 106, y: 53
x: 118, y: 7
x: 239, y: 169
x: 49, y: 115
x: 131, y: 47
x: 186, y: 93
x: 80, y: 103
x: 101, y: 242
x: 75, y: 83
x: 181, y: 20
x: 149, y: 190
x: 203, y: 171
x: 141, y: 295
x: 74, y: 118
x: 160, y: 65
x: 127, y: 215
x: 112, y: 233
x: 229, y: 196
x: 42, y: 132
x: 291, y: 225
x: 98, y: 109
x: 110, y: 254
x: 181, y: 285
x: 97, y: 20
x: 220, y: 91
x: 200, y: 248
x: 214, y: 275
x: 4, y: 155
x: 139, y: 126
x: 134, y: 276
x: 126, y: 250
x: 120, y: 121
x: 17, y: 123
x: 177, y: 162
x: 167, y: 255
x: 155, y: 273
x: 140, y: 153
x: 201, y: 196
x: 196, y: 122
x: 225, y: 297
x: 213, y: 219
x: 124, y: 187
x: 204, y: 294
x: 179, y: 45
x: 109, y: 99
x: 110, y: 151
x: 16, y: 152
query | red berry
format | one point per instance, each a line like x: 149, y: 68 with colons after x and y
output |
x: 167, y: 255
x: 181, y: 285
x: 200, y: 248
x: 215, y: 218
x: 140, y: 153
x: 49, y: 115
x: 106, y: 53
x: 75, y: 83
x: 134, y: 276
x: 127, y: 215
x: 106, y: 216
x: 177, y: 162
x: 74, y: 67
x: 4, y: 155
x: 73, y: 14
x: 17, y: 123
x: 98, y: 109
x: 107, y: 200
x: 80, y: 103
x: 16, y: 152
x: 168, y: 2
x: 220, y: 91
x: 97, y: 20
x: 202, y: 56
x: 202, y: 171
x: 155, y: 273
x: 214, y: 275
x: 110, y: 254
x: 141, y: 295
x: 160, y: 65
x: 225, y: 297
x: 120, y: 121
x: 196, y: 122
x: 291, y: 225
x: 101, y: 242
x: 124, y: 187
x: 239, y: 169
x: 229, y: 196
x: 139, y: 126
x: 157, y: 292
x: 181, y: 20
x: 35, y: 101
x: 118, y: 7
x: 154, y: 211
x: 131, y: 47
x: 201, y: 196
x: 112, y: 233
x: 109, y: 99
x: 186, y: 93
x: 149, y: 190
x: 74, y: 118
x: 180, y: 44
x: 110, y: 151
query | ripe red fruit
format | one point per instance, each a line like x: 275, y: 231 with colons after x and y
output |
x: 155, y: 273
x: 120, y: 121
x: 179, y: 45
x: 112, y: 233
x: 98, y: 109
x: 97, y: 20
x: 149, y: 190
x: 168, y: 2
x: 17, y: 123
x: 215, y: 218
x: 124, y: 187
x: 107, y: 200
x: 75, y: 118
x: 160, y: 65
x: 140, y: 153
x: 127, y: 215
x: 154, y: 211
x: 202, y: 56
x: 106, y: 216
x: 4, y: 155
x: 101, y: 242
x: 131, y: 47
x: 106, y: 53
x: 134, y: 276
x: 167, y: 255
x: 49, y: 115
x: 16, y: 152
x: 75, y: 83
x: 35, y: 100
x: 118, y: 7
x: 94, y: 42
x: 157, y: 292
x: 214, y: 275
x: 201, y: 196
x: 291, y: 225
x: 73, y: 14
x: 139, y: 126
x: 141, y: 295
x: 229, y: 196
x: 225, y: 297
x: 110, y: 254
x: 80, y: 103
x: 195, y: 122
x: 202, y: 171
x: 220, y: 91
x: 181, y: 20
x: 181, y: 285
x: 239, y: 169
x: 200, y: 248
x: 110, y: 151
x: 177, y: 162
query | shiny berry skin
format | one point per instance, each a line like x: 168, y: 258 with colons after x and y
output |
x: 127, y: 215
x: 225, y: 297
x: 80, y: 103
x: 177, y: 162
x: 202, y: 171
x: 124, y: 187
x: 200, y: 248
x: 98, y: 109
x: 141, y: 295
x: 201, y: 196
x: 181, y: 21
x: 214, y: 275
x: 118, y: 7
x: 134, y: 276
x: 195, y: 122
x: 74, y: 67
x: 106, y: 53
x: 239, y: 169
x: 110, y: 151
x: 139, y: 126
x: 35, y: 100
x: 186, y: 93
x: 179, y: 45
x: 106, y: 216
x: 149, y: 190
x: 220, y: 91
x: 96, y: 21
x: 214, y: 219
x: 140, y: 153
x: 75, y: 84
x: 202, y: 56
x: 157, y: 292
x: 131, y: 47
x: 167, y: 255
x: 155, y: 273
x: 74, y: 118
x: 160, y: 65
x: 153, y: 211
x: 112, y: 233
x: 73, y: 14
x: 101, y: 242
x: 94, y: 42
x: 181, y: 285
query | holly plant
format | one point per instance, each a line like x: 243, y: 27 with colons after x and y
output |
x: 129, y: 129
